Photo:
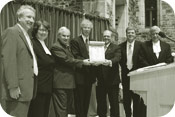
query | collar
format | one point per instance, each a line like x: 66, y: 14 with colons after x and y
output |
x: 64, y: 46
x: 84, y: 38
x: 107, y: 45
x: 156, y: 47
x: 156, y: 43
x: 23, y: 30
x: 132, y: 43
x: 44, y: 47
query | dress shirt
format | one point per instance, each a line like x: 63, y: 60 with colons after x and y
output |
x: 156, y: 48
x: 85, y: 39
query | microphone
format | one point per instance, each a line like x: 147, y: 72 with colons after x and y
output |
x: 162, y: 34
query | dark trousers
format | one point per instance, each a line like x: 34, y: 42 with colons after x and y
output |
x: 112, y: 92
x: 139, y: 108
x: 82, y: 100
x: 63, y: 102
x: 39, y: 107
x: 127, y: 102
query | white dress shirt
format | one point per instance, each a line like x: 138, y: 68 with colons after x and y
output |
x: 156, y: 48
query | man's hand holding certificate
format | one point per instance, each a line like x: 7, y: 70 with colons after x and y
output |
x: 107, y: 63
x: 97, y: 63
x: 97, y: 55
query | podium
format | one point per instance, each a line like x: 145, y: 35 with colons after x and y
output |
x: 156, y: 87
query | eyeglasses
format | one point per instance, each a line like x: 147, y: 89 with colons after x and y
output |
x: 43, y: 30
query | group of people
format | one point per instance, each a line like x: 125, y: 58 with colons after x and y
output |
x: 33, y: 74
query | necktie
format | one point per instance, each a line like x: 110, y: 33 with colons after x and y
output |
x: 129, y: 57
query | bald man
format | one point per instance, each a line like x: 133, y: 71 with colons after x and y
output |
x: 64, y: 81
x: 155, y: 51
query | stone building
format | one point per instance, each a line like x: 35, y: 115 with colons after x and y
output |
x: 123, y: 13
x: 141, y: 14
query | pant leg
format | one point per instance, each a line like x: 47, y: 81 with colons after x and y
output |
x: 82, y: 100
x: 60, y: 102
x: 70, y: 101
x: 87, y: 93
x: 113, y: 94
x: 126, y: 96
x: 79, y: 96
x: 127, y: 101
x: 101, y: 101
x: 139, y: 108
x: 39, y: 107
x: 17, y: 109
x: 93, y: 103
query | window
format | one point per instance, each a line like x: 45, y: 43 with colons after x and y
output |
x: 150, y: 13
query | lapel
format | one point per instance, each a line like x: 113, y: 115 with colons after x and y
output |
x: 135, y: 49
x: 39, y: 46
x: 162, y: 50
x: 108, y: 49
x: 66, y: 50
x: 21, y: 34
x: 150, y: 49
x: 124, y: 51
x: 83, y: 48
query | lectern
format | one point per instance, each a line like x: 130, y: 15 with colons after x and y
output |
x: 157, y: 88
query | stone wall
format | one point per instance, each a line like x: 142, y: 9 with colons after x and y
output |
x: 167, y: 23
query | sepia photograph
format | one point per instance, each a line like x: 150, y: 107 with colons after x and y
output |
x: 87, y: 58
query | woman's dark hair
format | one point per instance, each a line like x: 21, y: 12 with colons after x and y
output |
x: 36, y: 26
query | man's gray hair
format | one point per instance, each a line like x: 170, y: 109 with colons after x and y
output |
x: 108, y: 31
x: 20, y: 11
x: 62, y: 29
x: 155, y: 28
x: 86, y: 21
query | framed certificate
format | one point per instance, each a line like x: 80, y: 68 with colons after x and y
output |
x: 96, y: 51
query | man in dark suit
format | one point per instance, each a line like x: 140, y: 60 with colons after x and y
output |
x: 85, y: 75
x: 19, y: 64
x: 64, y: 73
x: 155, y: 51
x: 108, y: 79
x: 130, y: 50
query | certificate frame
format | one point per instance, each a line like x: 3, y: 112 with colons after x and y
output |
x: 96, y: 51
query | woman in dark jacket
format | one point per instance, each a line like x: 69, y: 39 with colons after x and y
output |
x: 39, y: 106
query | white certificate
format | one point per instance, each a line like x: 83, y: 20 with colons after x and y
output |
x: 96, y: 51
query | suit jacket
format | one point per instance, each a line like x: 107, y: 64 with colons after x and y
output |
x: 45, y: 68
x: 84, y: 75
x: 107, y: 75
x: 64, y: 74
x: 17, y: 63
x: 123, y: 61
x: 148, y: 57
